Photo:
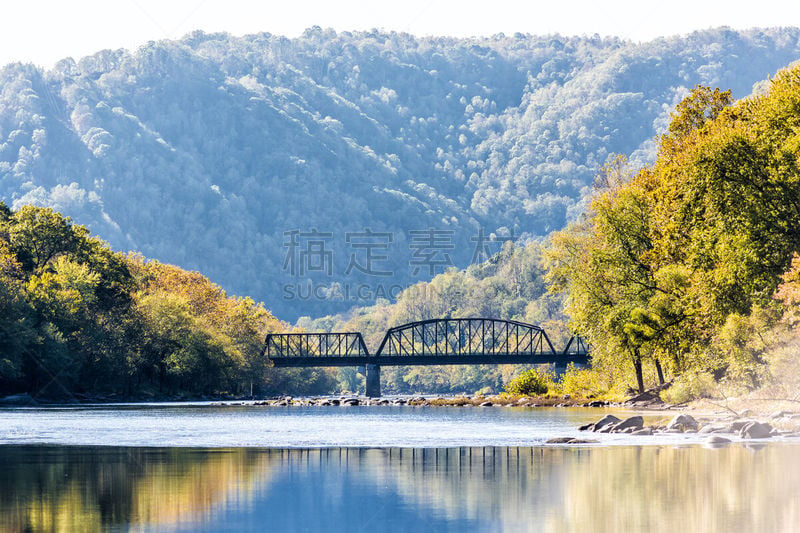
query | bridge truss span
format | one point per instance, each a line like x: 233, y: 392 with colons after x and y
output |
x: 468, y: 338
x: 302, y: 349
x: 444, y: 341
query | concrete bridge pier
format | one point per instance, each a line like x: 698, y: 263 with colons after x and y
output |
x: 373, y: 380
x: 559, y: 369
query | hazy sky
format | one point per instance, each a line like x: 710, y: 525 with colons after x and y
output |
x: 47, y: 30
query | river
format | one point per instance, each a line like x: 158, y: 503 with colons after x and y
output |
x: 203, y: 467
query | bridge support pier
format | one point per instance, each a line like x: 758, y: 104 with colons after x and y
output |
x: 373, y: 381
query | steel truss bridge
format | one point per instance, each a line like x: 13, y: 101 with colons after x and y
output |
x: 446, y: 341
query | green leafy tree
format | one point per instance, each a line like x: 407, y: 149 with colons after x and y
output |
x: 531, y: 382
x: 679, y: 258
x: 37, y: 235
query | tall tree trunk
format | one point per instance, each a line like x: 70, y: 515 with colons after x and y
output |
x: 660, y: 372
x: 637, y: 364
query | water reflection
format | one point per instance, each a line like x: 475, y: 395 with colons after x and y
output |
x: 52, y: 488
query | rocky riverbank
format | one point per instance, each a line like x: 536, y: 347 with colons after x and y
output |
x: 719, y: 424
x: 440, y: 401
x: 718, y: 421
x: 720, y: 430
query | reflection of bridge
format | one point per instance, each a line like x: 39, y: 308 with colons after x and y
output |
x: 447, y: 341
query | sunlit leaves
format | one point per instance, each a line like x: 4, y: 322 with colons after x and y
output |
x: 77, y: 316
x: 680, y: 263
x: 38, y: 235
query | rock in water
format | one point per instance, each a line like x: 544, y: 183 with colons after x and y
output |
x: 683, y: 422
x: 634, y: 422
x: 737, y: 426
x: 643, y: 431
x: 606, y: 420
x: 717, y: 440
x: 756, y: 430
x: 569, y: 440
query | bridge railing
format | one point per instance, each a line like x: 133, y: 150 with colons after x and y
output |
x: 345, y: 344
x: 465, y: 336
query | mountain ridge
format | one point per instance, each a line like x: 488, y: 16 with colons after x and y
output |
x: 214, y: 152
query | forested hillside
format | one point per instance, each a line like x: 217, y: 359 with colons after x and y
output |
x: 686, y: 271
x: 216, y: 153
x: 79, y: 321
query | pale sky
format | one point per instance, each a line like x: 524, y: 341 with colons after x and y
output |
x: 45, y: 31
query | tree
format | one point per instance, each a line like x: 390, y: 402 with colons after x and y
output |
x: 38, y: 234
x: 601, y: 263
x: 680, y: 257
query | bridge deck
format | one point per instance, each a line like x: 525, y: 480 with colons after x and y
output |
x: 400, y: 360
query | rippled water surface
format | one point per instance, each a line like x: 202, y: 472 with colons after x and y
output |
x: 182, y: 468
x: 206, y: 425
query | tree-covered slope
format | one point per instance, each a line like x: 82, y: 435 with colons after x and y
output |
x: 683, y: 263
x: 205, y: 152
x: 78, y: 320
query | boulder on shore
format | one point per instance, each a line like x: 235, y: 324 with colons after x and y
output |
x: 737, y: 425
x: 644, y: 398
x: 713, y: 428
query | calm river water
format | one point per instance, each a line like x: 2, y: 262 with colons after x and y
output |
x: 245, y: 468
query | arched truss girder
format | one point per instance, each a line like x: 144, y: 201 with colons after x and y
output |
x: 465, y: 337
